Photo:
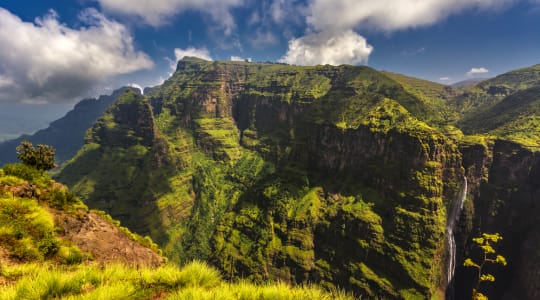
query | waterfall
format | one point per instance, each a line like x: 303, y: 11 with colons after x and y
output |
x: 452, y: 219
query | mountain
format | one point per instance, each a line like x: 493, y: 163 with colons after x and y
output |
x: 53, y: 247
x: 66, y: 134
x: 468, y: 83
x: 283, y: 172
x: 343, y: 176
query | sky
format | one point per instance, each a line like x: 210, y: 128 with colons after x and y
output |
x: 54, y: 53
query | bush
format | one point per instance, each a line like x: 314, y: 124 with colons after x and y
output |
x: 23, y: 171
x: 41, y: 157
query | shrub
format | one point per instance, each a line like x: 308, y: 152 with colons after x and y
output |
x: 41, y: 157
x: 25, y: 172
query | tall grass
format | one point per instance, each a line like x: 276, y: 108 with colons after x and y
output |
x: 194, y: 281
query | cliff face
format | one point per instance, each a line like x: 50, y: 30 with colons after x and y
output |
x: 119, y: 166
x: 337, y: 175
x: 505, y: 199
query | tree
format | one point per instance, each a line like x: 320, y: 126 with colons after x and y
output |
x: 41, y: 157
x: 490, y: 256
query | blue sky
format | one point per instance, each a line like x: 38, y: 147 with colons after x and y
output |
x: 55, y: 52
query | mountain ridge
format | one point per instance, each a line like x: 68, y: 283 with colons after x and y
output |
x: 254, y: 167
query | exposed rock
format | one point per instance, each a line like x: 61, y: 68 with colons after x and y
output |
x: 103, y: 240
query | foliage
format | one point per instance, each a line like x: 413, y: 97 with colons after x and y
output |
x: 485, y: 243
x: 251, y: 150
x: 41, y: 157
x: 26, y: 230
x: 194, y: 281
x: 27, y: 173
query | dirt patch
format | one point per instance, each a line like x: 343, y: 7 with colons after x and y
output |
x: 107, y: 244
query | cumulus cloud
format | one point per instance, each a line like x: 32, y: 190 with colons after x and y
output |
x: 47, y: 61
x: 344, y: 17
x: 337, y: 48
x: 158, y: 12
x: 480, y: 70
x: 238, y: 58
x: 389, y: 15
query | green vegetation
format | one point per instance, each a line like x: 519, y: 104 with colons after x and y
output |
x: 41, y: 157
x: 194, y: 281
x: 43, y: 265
x: 489, y: 257
x: 262, y: 169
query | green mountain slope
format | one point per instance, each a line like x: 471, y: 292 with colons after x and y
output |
x: 516, y: 117
x: 281, y: 172
x: 483, y: 95
x: 336, y: 175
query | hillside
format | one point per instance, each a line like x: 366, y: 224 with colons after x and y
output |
x: 42, y: 221
x: 67, y: 133
x: 280, y: 172
x: 52, y: 246
x: 337, y: 175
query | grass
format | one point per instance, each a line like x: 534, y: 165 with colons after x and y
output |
x: 194, y: 281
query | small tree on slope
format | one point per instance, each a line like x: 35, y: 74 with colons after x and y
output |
x: 41, y: 157
x: 490, y: 257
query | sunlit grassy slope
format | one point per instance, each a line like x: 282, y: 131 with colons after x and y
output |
x: 194, y: 281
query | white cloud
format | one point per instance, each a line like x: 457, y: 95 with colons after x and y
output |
x: 389, y: 15
x: 46, y: 61
x: 179, y: 53
x: 137, y: 86
x: 238, y: 58
x: 446, y: 78
x: 341, y: 18
x: 263, y: 38
x: 158, y: 12
x: 480, y: 70
x: 190, y: 51
x: 338, y: 48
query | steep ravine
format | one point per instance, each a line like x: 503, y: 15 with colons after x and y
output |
x: 505, y: 198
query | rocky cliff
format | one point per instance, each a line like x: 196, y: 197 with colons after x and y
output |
x: 337, y: 175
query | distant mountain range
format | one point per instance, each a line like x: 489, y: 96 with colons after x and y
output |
x: 66, y: 134
x: 468, y: 82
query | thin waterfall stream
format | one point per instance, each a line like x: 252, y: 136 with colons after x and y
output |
x: 453, y: 218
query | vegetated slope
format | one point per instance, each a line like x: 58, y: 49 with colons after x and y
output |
x: 51, y: 246
x: 485, y: 94
x: 41, y: 220
x: 436, y: 96
x: 66, y: 134
x: 282, y: 172
x: 516, y: 117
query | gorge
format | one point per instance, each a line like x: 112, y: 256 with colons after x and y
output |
x: 344, y: 176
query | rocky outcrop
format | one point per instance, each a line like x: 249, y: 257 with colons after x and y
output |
x: 104, y: 241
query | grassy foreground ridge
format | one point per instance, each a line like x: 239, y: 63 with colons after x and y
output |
x: 194, y: 281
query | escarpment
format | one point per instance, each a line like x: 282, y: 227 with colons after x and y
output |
x: 336, y: 175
